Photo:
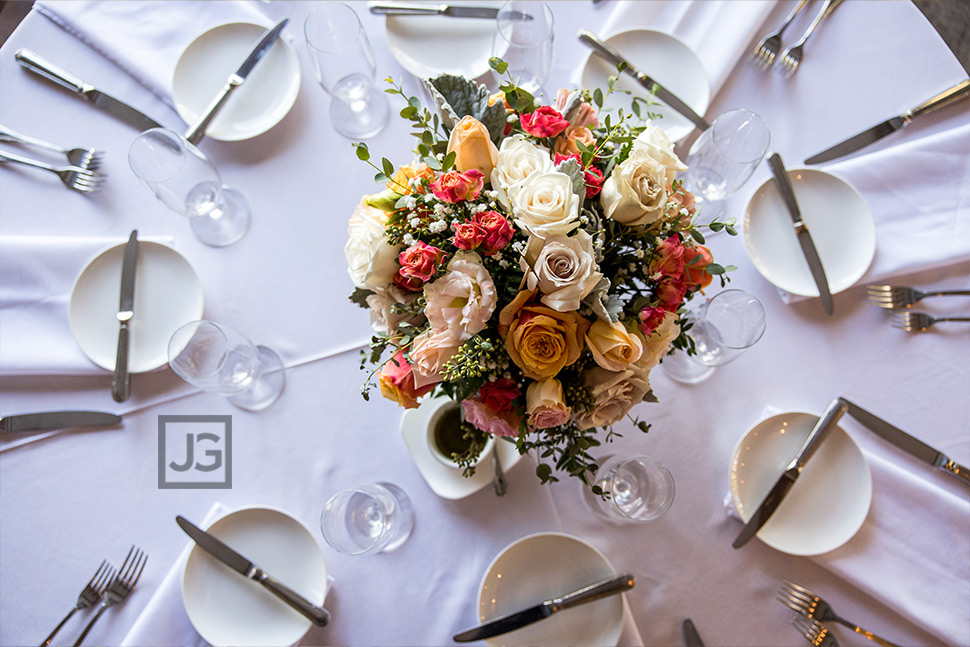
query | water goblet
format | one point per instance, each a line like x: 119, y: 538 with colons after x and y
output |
x: 367, y: 519
x: 641, y: 489
x: 723, y: 158
x: 524, y: 40
x: 724, y: 326
x: 345, y: 68
x: 217, y: 359
x: 183, y: 178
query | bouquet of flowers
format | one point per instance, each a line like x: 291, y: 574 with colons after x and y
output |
x: 532, y: 263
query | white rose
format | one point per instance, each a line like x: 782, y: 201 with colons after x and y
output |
x: 383, y: 319
x: 654, y: 142
x: 371, y: 260
x: 635, y: 193
x: 565, y: 271
x: 545, y: 205
x: 429, y: 352
x: 462, y: 299
x: 518, y: 158
x: 614, y: 394
x: 657, y: 344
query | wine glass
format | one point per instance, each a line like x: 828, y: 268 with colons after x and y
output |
x: 217, y: 359
x: 724, y: 326
x: 367, y: 519
x: 641, y: 489
x: 183, y: 178
x: 344, y: 66
x: 524, y: 39
x: 723, y: 158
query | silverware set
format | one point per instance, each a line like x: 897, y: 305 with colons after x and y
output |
x: 813, y: 611
x: 106, y: 588
x: 767, y: 51
x: 899, y: 298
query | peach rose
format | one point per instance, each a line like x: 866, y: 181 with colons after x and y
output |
x: 396, y: 380
x: 544, y: 405
x: 540, y: 340
x: 566, y: 145
x: 657, y: 343
x: 614, y: 394
x: 612, y: 346
x: 696, y: 260
x: 407, y: 179
x: 429, y: 352
x: 454, y: 187
x: 472, y: 146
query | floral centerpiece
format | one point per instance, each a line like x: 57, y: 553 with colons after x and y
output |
x: 532, y: 263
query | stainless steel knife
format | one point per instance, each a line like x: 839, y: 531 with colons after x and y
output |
x: 89, y: 93
x: 660, y: 91
x: 454, y: 11
x: 691, y: 637
x: 947, y: 97
x: 794, y: 469
x: 121, y: 382
x: 215, y: 547
x: 907, y: 443
x: 51, y: 420
x: 801, y: 231
x: 195, y: 134
x: 519, y: 619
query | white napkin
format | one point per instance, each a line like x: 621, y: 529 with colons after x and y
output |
x: 718, y: 31
x: 38, y: 273
x: 146, y: 39
x: 912, y: 553
x: 917, y: 191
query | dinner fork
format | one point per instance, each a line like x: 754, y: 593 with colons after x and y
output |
x: 791, y: 58
x: 815, y: 632
x: 86, y: 158
x: 815, y: 608
x: 74, y: 177
x: 120, y: 586
x: 765, y: 52
x: 899, y: 296
x: 919, y: 321
x: 89, y: 596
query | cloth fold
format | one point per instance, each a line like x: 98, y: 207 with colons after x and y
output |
x: 37, y: 274
x: 146, y: 39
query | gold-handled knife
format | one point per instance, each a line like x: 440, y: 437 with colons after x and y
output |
x: 121, y: 382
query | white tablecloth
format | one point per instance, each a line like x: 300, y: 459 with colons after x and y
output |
x: 72, y: 499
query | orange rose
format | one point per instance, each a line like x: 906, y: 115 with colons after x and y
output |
x: 472, y: 146
x: 566, y: 145
x: 696, y: 274
x: 401, y: 181
x: 540, y: 340
x: 396, y: 380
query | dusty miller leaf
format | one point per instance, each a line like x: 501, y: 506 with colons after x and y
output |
x: 575, y: 172
x: 458, y: 97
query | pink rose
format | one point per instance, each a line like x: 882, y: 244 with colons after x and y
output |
x: 585, y: 116
x: 453, y: 187
x: 420, y: 261
x: 396, y: 380
x: 669, y: 258
x: 544, y: 405
x: 544, y: 122
x: 498, y: 231
x: 651, y: 318
x: 468, y: 235
x: 500, y: 394
x: 484, y: 418
x: 429, y: 352
x: 408, y: 283
x: 671, y: 293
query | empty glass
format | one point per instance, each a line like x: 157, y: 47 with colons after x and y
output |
x: 371, y: 518
x: 724, y: 326
x: 723, y: 158
x: 523, y: 39
x: 217, y: 359
x: 641, y: 489
x: 183, y: 178
x: 344, y: 66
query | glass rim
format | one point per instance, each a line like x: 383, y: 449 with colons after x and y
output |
x: 198, y: 323
x: 718, y: 122
x: 346, y: 494
x: 550, y: 19
x: 318, y: 11
x: 182, y: 147
x: 714, y: 331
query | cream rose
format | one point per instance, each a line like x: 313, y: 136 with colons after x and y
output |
x: 564, y: 271
x: 635, y: 193
x: 462, y: 299
x: 371, y: 260
x: 614, y: 394
x: 658, y: 343
x: 518, y: 158
x: 544, y: 405
x: 612, y: 346
x: 545, y: 205
x: 653, y: 141
x: 472, y: 146
x: 381, y: 304
x: 429, y: 352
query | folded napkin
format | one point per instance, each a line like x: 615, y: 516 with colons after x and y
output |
x: 918, y: 197
x: 912, y: 553
x: 37, y: 274
x: 146, y: 39
x: 718, y: 31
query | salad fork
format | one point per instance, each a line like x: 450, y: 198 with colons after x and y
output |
x: 75, y: 177
x: 86, y: 158
x: 120, y: 586
x: 765, y: 52
x: 791, y: 58
x: 815, y: 608
x: 899, y: 296
x: 815, y: 632
x: 919, y: 321
x: 89, y: 596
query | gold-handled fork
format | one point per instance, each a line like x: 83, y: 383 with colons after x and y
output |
x: 813, y: 607
x: 764, y: 53
x: 901, y: 296
x: 919, y: 321
x: 89, y: 596
x: 120, y: 586
x: 791, y: 58
x: 815, y: 632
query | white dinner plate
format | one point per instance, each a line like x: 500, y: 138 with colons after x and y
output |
x: 228, y: 609
x: 665, y: 59
x: 254, y: 107
x: 543, y: 566
x: 829, y: 501
x: 447, y: 482
x: 427, y: 46
x: 168, y: 293
x: 838, y: 219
